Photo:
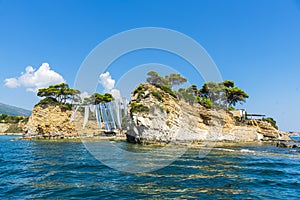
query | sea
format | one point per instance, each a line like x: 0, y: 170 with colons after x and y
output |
x: 67, y: 170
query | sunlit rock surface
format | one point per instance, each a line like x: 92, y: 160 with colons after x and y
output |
x: 166, y: 119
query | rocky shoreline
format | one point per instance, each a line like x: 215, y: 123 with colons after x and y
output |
x: 153, y: 119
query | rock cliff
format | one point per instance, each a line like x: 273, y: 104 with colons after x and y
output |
x: 3, y: 127
x: 12, y: 128
x: 53, y: 122
x: 157, y: 117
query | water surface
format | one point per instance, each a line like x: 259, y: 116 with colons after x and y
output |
x: 66, y: 170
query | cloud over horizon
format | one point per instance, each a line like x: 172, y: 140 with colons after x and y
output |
x: 108, y: 84
x: 33, y: 79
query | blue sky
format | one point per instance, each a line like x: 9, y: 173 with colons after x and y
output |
x: 255, y: 43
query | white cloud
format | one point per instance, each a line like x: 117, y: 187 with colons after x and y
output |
x: 106, y: 81
x: 11, y: 83
x: 33, y: 79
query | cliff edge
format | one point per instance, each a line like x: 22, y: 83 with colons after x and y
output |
x: 53, y: 121
x: 156, y: 116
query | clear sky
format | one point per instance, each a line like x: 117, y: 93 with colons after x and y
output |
x: 256, y: 43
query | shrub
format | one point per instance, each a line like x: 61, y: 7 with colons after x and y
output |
x: 136, y: 108
x: 4, y: 118
x: 168, y: 123
x: 140, y: 88
x: 140, y: 91
x: 231, y: 108
x: 186, y: 96
x: 166, y: 89
x: 157, y: 95
x: 205, y: 102
x: 50, y: 101
x: 271, y: 121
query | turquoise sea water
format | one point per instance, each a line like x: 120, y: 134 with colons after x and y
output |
x: 66, y: 170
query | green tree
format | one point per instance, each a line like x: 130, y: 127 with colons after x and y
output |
x: 154, y: 78
x: 223, y: 93
x: 204, y: 102
x: 212, y: 91
x: 187, y: 95
x: 3, y: 117
x: 168, y: 81
x: 271, y: 121
x: 175, y: 79
x: 235, y: 95
x: 97, y: 98
x: 60, y: 92
x: 193, y: 89
x: 228, y: 83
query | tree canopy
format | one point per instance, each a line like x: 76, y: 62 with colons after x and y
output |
x: 235, y: 95
x: 97, y: 98
x: 224, y: 92
x: 61, y: 92
x: 154, y: 78
x: 211, y: 93
x: 169, y: 80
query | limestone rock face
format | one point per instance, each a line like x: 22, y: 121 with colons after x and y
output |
x: 3, y: 127
x: 7, y: 128
x: 53, y: 122
x: 163, y: 118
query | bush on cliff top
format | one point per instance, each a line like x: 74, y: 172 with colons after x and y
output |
x: 61, y: 92
x: 157, y: 95
x: 166, y: 89
x: 50, y: 101
x: 271, y: 121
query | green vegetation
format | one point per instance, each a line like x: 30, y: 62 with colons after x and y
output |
x: 62, y: 95
x: 167, y: 81
x: 154, y: 78
x: 140, y: 91
x: 224, y: 95
x: 97, y: 98
x: 271, y: 121
x: 157, y: 95
x: 140, y: 88
x: 5, y: 118
x: 53, y: 102
x: 167, y: 90
x: 137, y: 108
x: 168, y: 123
x: 60, y: 92
x: 186, y: 95
x: 205, y: 102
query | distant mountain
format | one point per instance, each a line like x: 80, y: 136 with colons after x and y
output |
x: 14, y: 111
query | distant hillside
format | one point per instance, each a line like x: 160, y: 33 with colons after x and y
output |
x: 14, y: 111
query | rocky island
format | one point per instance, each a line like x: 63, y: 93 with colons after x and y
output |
x: 156, y: 114
x: 163, y: 118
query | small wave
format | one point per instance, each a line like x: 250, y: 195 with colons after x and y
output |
x: 247, y: 151
x: 224, y: 149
